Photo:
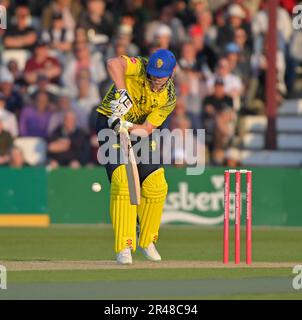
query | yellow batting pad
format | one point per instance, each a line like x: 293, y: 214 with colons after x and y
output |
x: 123, y: 214
x: 154, y: 192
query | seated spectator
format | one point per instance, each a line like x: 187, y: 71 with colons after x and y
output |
x: 15, y: 70
x: 16, y: 158
x: 218, y: 120
x: 57, y: 35
x: 43, y: 84
x: 162, y: 37
x: 240, y: 39
x: 125, y: 37
x: 206, y: 57
x: 232, y: 84
x: 81, y: 37
x: 13, y: 98
x: 86, y: 100
x: 42, y: 63
x: 34, y: 119
x: 260, y: 25
x: 236, y: 19
x: 84, y: 62
x: 120, y: 47
x: 130, y: 25
x: 237, y: 66
x: 70, y: 10
x: 189, y: 80
x: 97, y: 22
x: 205, y: 21
x: 184, y: 13
x: 166, y: 18
x: 63, y: 105
x: 9, y: 120
x: 68, y: 145
x: 20, y: 35
x: 6, y: 142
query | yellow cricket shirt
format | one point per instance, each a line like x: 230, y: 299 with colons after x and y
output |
x: 147, y: 105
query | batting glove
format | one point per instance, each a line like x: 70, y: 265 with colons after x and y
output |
x: 116, y: 124
x: 122, y: 103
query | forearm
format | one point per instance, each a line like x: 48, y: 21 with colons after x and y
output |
x: 116, y: 69
x: 13, y: 42
x: 53, y: 72
x: 142, y: 130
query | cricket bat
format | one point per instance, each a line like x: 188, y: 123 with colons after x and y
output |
x: 131, y: 167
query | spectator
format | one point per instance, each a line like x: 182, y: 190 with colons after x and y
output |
x: 205, y: 54
x: 236, y: 16
x: 8, y: 119
x: 133, y: 20
x: 232, y: 83
x: 162, y: 37
x: 20, y: 35
x: 43, y: 84
x: 34, y: 119
x: 70, y: 10
x: 122, y: 46
x: 205, y: 21
x: 16, y: 158
x: 240, y: 38
x: 86, y: 100
x: 13, y: 98
x: 218, y: 120
x: 15, y: 70
x: 237, y: 64
x: 97, y: 22
x: 198, y: 6
x: 167, y: 18
x: 62, y: 106
x: 183, y: 12
x: 285, y: 31
x: 260, y: 25
x: 6, y: 142
x: 189, y: 79
x: 68, y: 145
x: 57, y: 35
x: 81, y: 37
x: 86, y: 63
x: 42, y: 63
x: 125, y: 35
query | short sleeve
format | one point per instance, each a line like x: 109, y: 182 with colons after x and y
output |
x: 134, y: 66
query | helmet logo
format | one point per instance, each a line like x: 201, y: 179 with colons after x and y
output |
x: 159, y: 63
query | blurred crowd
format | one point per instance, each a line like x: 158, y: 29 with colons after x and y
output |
x: 53, y: 68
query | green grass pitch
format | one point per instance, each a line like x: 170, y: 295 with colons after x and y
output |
x: 275, y: 252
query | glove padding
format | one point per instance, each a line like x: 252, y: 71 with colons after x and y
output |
x: 116, y: 124
x: 122, y: 103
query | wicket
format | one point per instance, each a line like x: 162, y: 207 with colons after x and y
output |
x: 226, y: 231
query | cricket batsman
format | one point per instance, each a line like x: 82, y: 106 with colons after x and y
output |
x: 140, y: 99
